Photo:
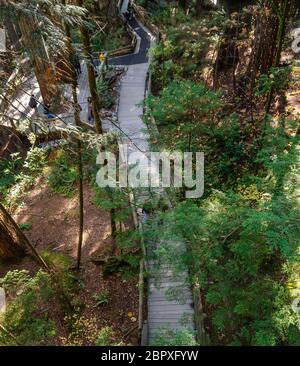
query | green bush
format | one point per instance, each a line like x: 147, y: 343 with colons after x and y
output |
x: 277, y: 79
x: 102, y: 298
x: 106, y: 338
x: 61, y: 265
x: 26, y: 316
x: 9, y: 169
x: 169, y: 337
x: 107, y: 100
x: 17, y: 175
x: 63, y: 176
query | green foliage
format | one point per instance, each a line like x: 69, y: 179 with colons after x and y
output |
x: 61, y: 265
x: 107, y: 100
x: 25, y: 226
x: 101, y: 41
x: 107, y: 199
x: 17, y: 175
x: 35, y: 160
x: 244, y: 248
x: 8, y: 171
x: 183, y: 101
x: 26, y: 316
x: 14, y: 280
x: 76, y: 35
x: 169, y: 337
x: 184, y: 108
x: 277, y: 79
x: 102, y: 298
x: 106, y: 337
x: 228, y: 154
x: 180, y: 54
x: 63, y: 176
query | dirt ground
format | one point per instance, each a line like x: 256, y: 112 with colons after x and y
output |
x: 54, y: 226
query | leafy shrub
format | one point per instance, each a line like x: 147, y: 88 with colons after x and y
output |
x: 36, y: 159
x: 169, y: 337
x: 106, y: 338
x: 61, y: 265
x: 102, y: 298
x: 19, y: 175
x: 9, y: 169
x: 26, y: 316
x: 107, y: 100
x: 14, y: 280
x: 243, y: 248
x: 63, y: 175
x: 277, y: 80
x: 101, y: 42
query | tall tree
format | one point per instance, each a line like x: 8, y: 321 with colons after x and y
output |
x: 91, y: 73
x: 34, y: 43
x: 70, y: 58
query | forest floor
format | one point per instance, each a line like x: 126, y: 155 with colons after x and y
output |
x: 52, y: 222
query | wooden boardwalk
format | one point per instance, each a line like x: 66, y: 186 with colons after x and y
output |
x: 164, y: 312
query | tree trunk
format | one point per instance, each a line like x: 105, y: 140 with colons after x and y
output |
x: 184, y: 4
x: 91, y: 73
x: 12, y: 245
x: 12, y: 34
x: 35, y: 46
x: 70, y: 54
x: 80, y: 197
x: 199, y: 7
x: 282, y: 14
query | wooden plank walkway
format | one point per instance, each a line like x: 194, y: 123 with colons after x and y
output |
x: 177, y: 313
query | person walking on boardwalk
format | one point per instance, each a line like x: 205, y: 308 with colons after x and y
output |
x: 76, y: 64
x: 90, y: 109
x: 33, y: 103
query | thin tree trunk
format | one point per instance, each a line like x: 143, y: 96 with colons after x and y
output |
x: 113, y: 223
x: 81, y: 212
x: 282, y: 18
x: 70, y: 54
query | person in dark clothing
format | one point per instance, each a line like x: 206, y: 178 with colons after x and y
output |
x: 90, y: 109
x: 76, y: 64
x: 33, y: 103
x: 46, y: 108
x: 130, y: 11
